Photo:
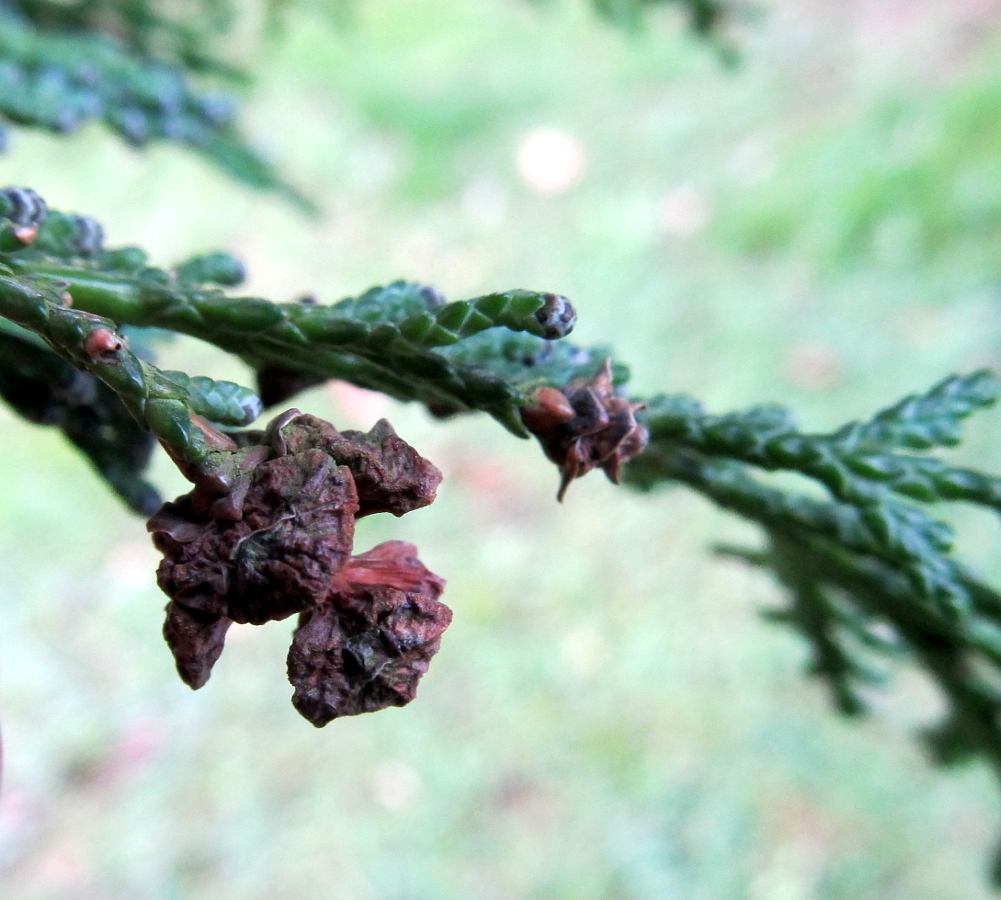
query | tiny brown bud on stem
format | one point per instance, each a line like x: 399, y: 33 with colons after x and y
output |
x: 102, y: 345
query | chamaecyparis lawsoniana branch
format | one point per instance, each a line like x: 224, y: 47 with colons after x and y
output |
x: 60, y: 283
x: 871, y: 576
x: 385, y: 340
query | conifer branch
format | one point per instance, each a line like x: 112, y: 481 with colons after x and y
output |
x: 860, y: 465
x: 163, y: 402
x: 44, y: 388
x: 871, y: 577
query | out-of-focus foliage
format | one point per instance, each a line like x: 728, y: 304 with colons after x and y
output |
x: 47, y: 390
x: 172, y: 32
x: 705, y: 15
x: 869, y: 573
x: 131, y: 67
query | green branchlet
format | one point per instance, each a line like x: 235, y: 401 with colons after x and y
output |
x: 861, y: 466
x: 161, y: 401
x: 386, y: 340
x: 58, y: 281
x: 47, y: 390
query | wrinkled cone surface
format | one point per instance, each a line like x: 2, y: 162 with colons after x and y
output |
x: 268, y: 532
x: 368, y: 644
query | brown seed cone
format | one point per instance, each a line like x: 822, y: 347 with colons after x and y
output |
x: 368, y: 645
x: 268, y: 528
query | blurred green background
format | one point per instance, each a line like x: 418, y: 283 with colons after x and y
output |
x: 608, y: 716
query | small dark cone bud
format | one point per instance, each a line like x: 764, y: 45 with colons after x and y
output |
x: 368, y: 645
x: 556, y: 316
x: 586, y: 425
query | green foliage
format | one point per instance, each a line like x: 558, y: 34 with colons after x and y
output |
x: 385, y: 339
x: 58, y: 79
x: 870, y: 575
x: 705, y: 16
x: 146, y: 27
x: 47, y: 390
x: 163, y: 402
x: 525, y: 362
x: 862, y: 468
